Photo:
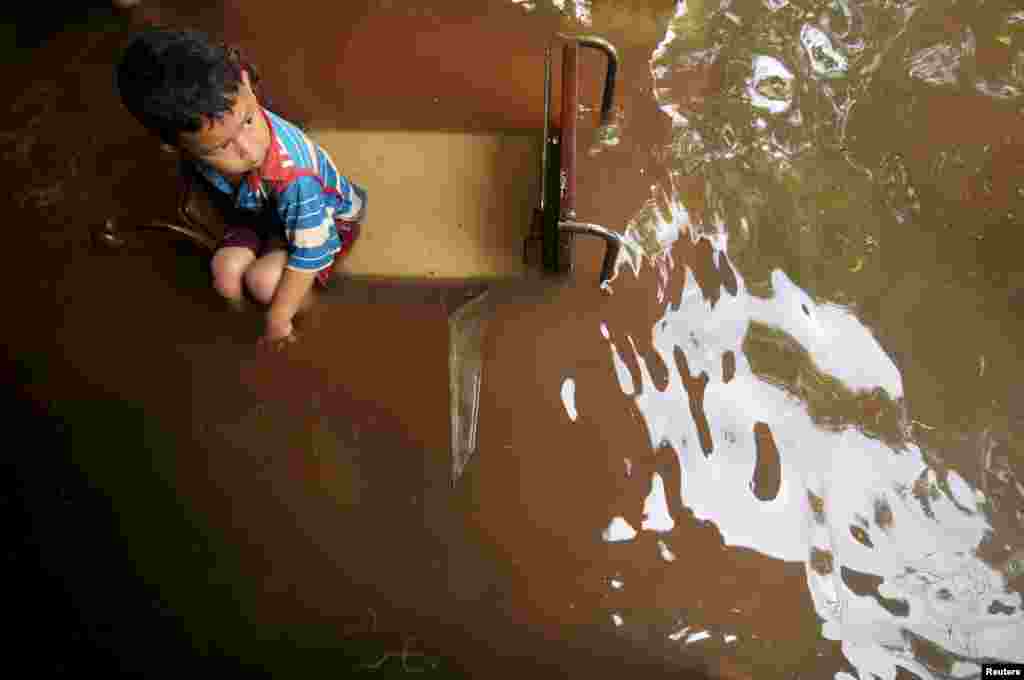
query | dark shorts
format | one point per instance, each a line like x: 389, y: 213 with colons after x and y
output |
x: 260, y: 244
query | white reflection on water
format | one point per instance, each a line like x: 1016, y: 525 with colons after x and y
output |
x: 925, y: 561
x: 569, y: 398
x: 579, y: 9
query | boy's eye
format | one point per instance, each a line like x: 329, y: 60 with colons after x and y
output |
x: 223, y: 147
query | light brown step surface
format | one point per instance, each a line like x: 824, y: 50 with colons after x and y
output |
x: 443, y: 206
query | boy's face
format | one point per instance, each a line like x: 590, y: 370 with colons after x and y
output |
x: 238, y: 142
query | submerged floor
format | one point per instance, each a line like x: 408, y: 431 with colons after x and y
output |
x: 788, y: 445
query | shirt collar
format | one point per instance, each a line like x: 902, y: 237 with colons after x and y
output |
x: 274, y: 164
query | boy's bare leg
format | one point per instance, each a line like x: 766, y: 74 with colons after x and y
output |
x: 264, y: 274
x: 228, y: 266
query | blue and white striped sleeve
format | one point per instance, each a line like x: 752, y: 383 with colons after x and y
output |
x: 307, y: 224
x: 353, y: 197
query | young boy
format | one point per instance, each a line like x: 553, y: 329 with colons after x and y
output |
x: 198, y: 96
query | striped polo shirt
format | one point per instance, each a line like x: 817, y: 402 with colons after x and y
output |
x: 308, y: 192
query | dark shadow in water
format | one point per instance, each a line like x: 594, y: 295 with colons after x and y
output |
x: 883, y: 513
x: 822, y: 561
x: 768, y: 469
x: 695, y: 391
x: 711, y: 278
x: 78, y: 581
x: 728, y: 366
x: 866, y: 585
x: 708, y: 278
x: 860, y: 535
x: 817, y: 504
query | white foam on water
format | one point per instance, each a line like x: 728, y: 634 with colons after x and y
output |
x: 569, y: 398
x: 581, y: 9
x: 618, y: 530
x: 665, y: 553
x: 948, y: 591
x: 622, y: 373
x: 839, y: 344
x: 697, y: 637
x: 768, y: 68
x: 656, y: 514
x: 962, y: 669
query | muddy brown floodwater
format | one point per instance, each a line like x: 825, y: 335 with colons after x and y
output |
x: 787, y: 445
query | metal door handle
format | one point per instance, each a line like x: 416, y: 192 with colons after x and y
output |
x: 613, y: 245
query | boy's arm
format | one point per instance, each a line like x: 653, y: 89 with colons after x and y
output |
x: 293, y: 290
x: 307, y: 224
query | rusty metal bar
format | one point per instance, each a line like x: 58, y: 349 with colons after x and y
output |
x: 613, y: 244
x: 599, y: 43
x: 609, y: 81
x: 111, y: 235
x: 547, y: 127
x: 570, y: 112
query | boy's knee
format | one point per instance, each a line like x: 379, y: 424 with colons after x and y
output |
x: 262, y: 281
x: 228, y: 270
x: 228, y: 284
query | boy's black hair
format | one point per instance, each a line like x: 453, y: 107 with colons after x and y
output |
x: 170, y: 80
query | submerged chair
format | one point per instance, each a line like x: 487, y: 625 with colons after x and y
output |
x: 484, y: 218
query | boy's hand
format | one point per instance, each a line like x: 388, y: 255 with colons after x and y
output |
x: 294, y: 287
x: 279, y: 334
